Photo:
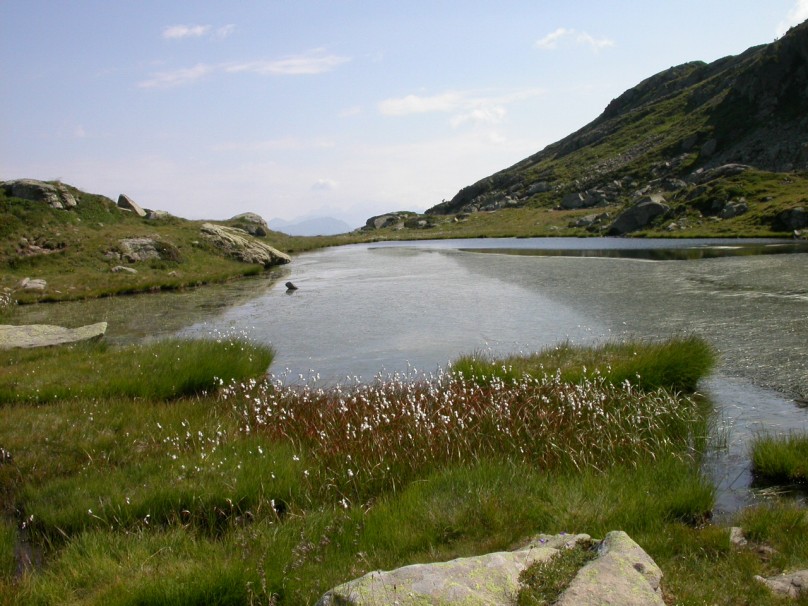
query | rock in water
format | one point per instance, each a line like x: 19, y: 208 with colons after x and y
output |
x: 290, y: 286
x: 45, y: 335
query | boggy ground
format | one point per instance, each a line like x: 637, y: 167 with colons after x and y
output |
x: 175, y: 473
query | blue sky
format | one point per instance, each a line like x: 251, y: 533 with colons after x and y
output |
x: 292, y: 109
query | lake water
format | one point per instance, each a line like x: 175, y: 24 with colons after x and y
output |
x: 364, y: 309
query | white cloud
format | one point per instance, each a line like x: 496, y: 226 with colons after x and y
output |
x: 313, y: 62
x: 225, y: 31
x: 797, y: 14
x: 324, y: 185
x: 466, y: 107
x: 177, y: 77
x: 552, y: 40
x: 414, y: 104
x: 178, y: 32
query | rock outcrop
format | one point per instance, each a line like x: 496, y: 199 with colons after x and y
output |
x: 54, y: 195
x: 791, y: 585
x: 253, y: 224
x: 45, y: 335
x: 239, y: 245
x: 126, y: 203
x: 622, y: 573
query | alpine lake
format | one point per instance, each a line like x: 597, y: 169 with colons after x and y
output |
x: 365, y: 311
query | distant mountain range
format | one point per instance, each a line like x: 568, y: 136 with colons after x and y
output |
x: 315, y: 226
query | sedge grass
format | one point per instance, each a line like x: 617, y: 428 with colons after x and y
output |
x: 245, y: 494
x: 780, y: 459
x: 166, y: 369
x: 676, y: 364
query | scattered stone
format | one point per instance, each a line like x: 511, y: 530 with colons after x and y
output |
x: 792, y: 585
x: 239, y: 245
x: 123, y: 269
x: 539, y: 187
x: 126, y: 203
x: 621, y: 574
x: 723, y: 171
x: 45, y: 335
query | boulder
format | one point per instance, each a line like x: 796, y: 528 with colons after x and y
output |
x: 734, y: 208
x: 252, y: 223
x: 126, y: 203
x: 577, y: 200
x: 539, y: 187
x: 134, y: 250
x: 122, y: 269
x: 792, y: 219
x: 239, y: 245
x: 55, y: 195
x: 156, y: 215
x: 45, y: 335
x: 638, y: 216
x: 622, y: 573
x: 791, y: 585
x: 490, y: 579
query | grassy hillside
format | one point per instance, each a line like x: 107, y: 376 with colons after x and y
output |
x: 70, y: 249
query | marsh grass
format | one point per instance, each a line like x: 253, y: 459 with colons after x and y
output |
x: 244, y: 495
x: 780, y: 459
x: 161, y: 370
x: 676, y: 364
x: 542, y: 583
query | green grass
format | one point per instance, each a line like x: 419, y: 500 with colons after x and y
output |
x: 259, y: 492
x: 780, y: 459
x: 161, y: 370
x: 542, y: 583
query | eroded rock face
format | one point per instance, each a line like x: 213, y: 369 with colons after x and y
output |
x: 237, y: 244
x: 621, y: 574
x: 54, y: 195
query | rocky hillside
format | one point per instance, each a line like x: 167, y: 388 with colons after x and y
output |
x: 698, y: 143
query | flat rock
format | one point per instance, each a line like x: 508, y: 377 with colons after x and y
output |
x: 45, y: 335
x: 792, y: 585
x: 622, y: 574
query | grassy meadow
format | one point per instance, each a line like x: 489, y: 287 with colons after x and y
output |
x: 219, y: 485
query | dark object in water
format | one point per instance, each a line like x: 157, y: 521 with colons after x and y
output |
x: 290, y: 286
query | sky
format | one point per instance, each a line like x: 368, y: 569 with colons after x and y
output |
x: 341, y: 108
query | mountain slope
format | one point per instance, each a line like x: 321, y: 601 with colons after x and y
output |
x: 668, y: 137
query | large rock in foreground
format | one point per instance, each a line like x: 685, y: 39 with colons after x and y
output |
x: 622, y: 574
x: 237, y: 244
x: 45, y: 335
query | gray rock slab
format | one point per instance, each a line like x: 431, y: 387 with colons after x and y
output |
x: 45, y: 335
x: 622, y: 575
x: 792, y: 585
x: 127, y: 203
x: 237, y: 244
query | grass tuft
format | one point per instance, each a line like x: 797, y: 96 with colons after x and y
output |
x: 780, y: 459
x: 542, y: 583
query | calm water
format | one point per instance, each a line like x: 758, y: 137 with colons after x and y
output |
x: 364, y: 309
